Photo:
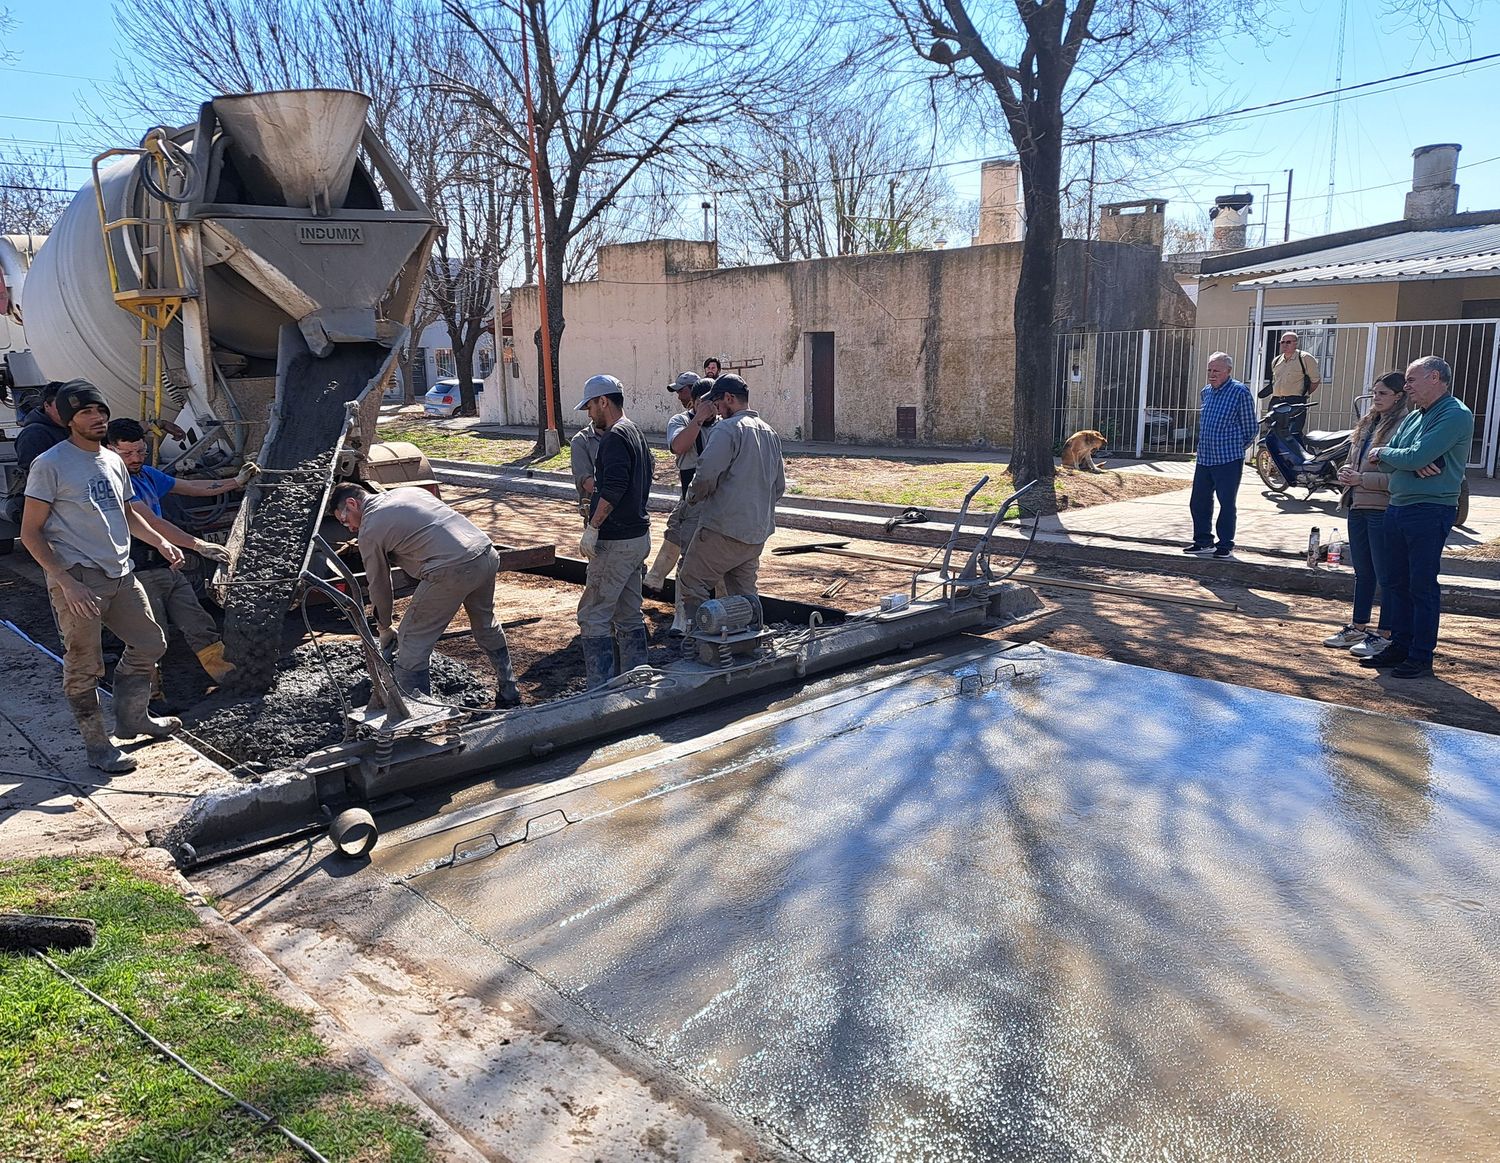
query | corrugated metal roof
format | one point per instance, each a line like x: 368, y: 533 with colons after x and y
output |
x: 1415, y: 254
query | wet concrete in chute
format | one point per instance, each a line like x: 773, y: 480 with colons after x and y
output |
x: 1086, y: 912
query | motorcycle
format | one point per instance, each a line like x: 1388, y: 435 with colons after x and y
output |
x: 1286, y: 458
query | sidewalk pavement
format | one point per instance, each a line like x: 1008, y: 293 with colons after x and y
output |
x: 1270, y: 524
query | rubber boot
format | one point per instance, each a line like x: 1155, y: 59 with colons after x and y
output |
x: 211, y: 657
x: 598, y: 659
x: 416, y: 684
x: 632, y: 644
x: 666, y: 557
x: 132, y: 693
x: 103, y: 754
x: 680, y: 624
x: 506, y: 694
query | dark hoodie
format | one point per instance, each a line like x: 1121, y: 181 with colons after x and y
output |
x: 38, y: 433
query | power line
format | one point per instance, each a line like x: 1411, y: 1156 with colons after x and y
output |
x: 44, y: 73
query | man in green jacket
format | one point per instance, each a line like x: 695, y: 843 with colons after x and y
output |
x: 1426, y: 458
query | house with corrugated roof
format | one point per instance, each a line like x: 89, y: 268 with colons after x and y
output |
x: 1368, y: 301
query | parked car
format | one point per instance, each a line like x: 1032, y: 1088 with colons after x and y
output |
x: 442, y: 399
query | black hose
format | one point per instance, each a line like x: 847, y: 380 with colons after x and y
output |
x: 178, y: 158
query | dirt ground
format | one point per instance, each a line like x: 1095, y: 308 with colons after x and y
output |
x: 1271, y: 642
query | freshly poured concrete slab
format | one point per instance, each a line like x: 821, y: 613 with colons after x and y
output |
x: 1066, y: 909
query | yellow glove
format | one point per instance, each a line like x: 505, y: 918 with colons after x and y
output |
x: 248, y: 472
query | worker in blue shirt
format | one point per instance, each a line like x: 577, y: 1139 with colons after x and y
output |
x: 1226, y: 428
x: 173, y: 602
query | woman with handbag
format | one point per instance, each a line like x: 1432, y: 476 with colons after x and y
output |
x: 1366, y: 495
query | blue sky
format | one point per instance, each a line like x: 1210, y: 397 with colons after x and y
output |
x: 65, y: 47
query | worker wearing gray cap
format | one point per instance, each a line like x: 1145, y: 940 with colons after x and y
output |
x: 687, y: 436
x: 740, y: 477
x: 616, y: 537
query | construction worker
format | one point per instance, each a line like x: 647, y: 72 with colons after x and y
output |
x: 687, y: 435
x: 616, y: 538
x: 41, y: 429
x: 739, y: 479
x: 455, y: 565
x: 173, y: 602
x: 77, y: 525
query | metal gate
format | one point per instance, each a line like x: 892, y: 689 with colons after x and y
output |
x: 1141, y: 388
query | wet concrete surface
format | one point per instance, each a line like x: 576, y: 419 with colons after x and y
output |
x: 1082, y: 911
x: 311, y: 691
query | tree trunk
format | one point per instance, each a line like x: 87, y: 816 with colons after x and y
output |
x: 463, y: 362
x: 1035, y: 310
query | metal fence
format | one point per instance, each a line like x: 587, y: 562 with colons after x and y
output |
x: 1141, y: 388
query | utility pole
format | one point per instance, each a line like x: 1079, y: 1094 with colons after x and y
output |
x: 1286, y: 226
x: 706, y: 236
x: 786, y: 207
x: 890, y: 209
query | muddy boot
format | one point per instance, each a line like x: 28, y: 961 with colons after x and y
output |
x: 598, y: 659
x: 632, y: 644
x: 212, y: 659
x: 666, y: 558
x: 506, y: 694
x: 680, y: 624
x: 414, y: 684
x: 131, y: 716
x: 102, y: 753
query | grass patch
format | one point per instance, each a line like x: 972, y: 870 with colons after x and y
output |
x: 919, y: 482
x: 77, y: 1084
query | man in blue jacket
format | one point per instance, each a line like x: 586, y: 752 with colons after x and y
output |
x: 1426, y: 458
x: 1226, y: 427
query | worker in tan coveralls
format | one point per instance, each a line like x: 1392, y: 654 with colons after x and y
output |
x: 739, y: 479
x: 454, y: 564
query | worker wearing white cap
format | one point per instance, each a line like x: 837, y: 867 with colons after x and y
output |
x: 616, y: 537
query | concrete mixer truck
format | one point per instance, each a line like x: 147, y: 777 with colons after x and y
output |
x: 249, y: 280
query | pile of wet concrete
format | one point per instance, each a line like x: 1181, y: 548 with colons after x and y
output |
x: 304, y: 706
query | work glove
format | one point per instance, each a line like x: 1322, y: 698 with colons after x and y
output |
x: 212, y: 552
x: 589, y: 542
x: 248, y: 472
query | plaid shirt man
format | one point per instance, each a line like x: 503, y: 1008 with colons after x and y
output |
x: 1226, y: 424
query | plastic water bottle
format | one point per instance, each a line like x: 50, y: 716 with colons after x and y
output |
x: 1335, y: 551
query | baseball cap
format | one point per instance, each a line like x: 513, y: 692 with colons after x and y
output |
x: 600, y: 386
x: 702, y: 387
x: 685, y: 380
x: 729, y: 384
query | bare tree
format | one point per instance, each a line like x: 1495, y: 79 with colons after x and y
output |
x: 621, y: 87
x: 1051, y: 66
x: 34, y: 191
x: 854, y: 176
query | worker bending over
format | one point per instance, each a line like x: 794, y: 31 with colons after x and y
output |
x: 173, y: 602
x: 740, y: 477
x: 616, y: 538
x: 455, y: 565
x: 77, y: 525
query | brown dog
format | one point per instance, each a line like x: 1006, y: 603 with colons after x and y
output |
x: 1078, y: 451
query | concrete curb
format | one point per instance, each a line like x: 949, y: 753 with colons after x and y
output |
x: 1253, y: 568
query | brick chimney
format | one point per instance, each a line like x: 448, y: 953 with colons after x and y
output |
x: 1434, y: 193
x: 1230, y: 215
x: 1143, y: 222
x: 1000, y: 206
